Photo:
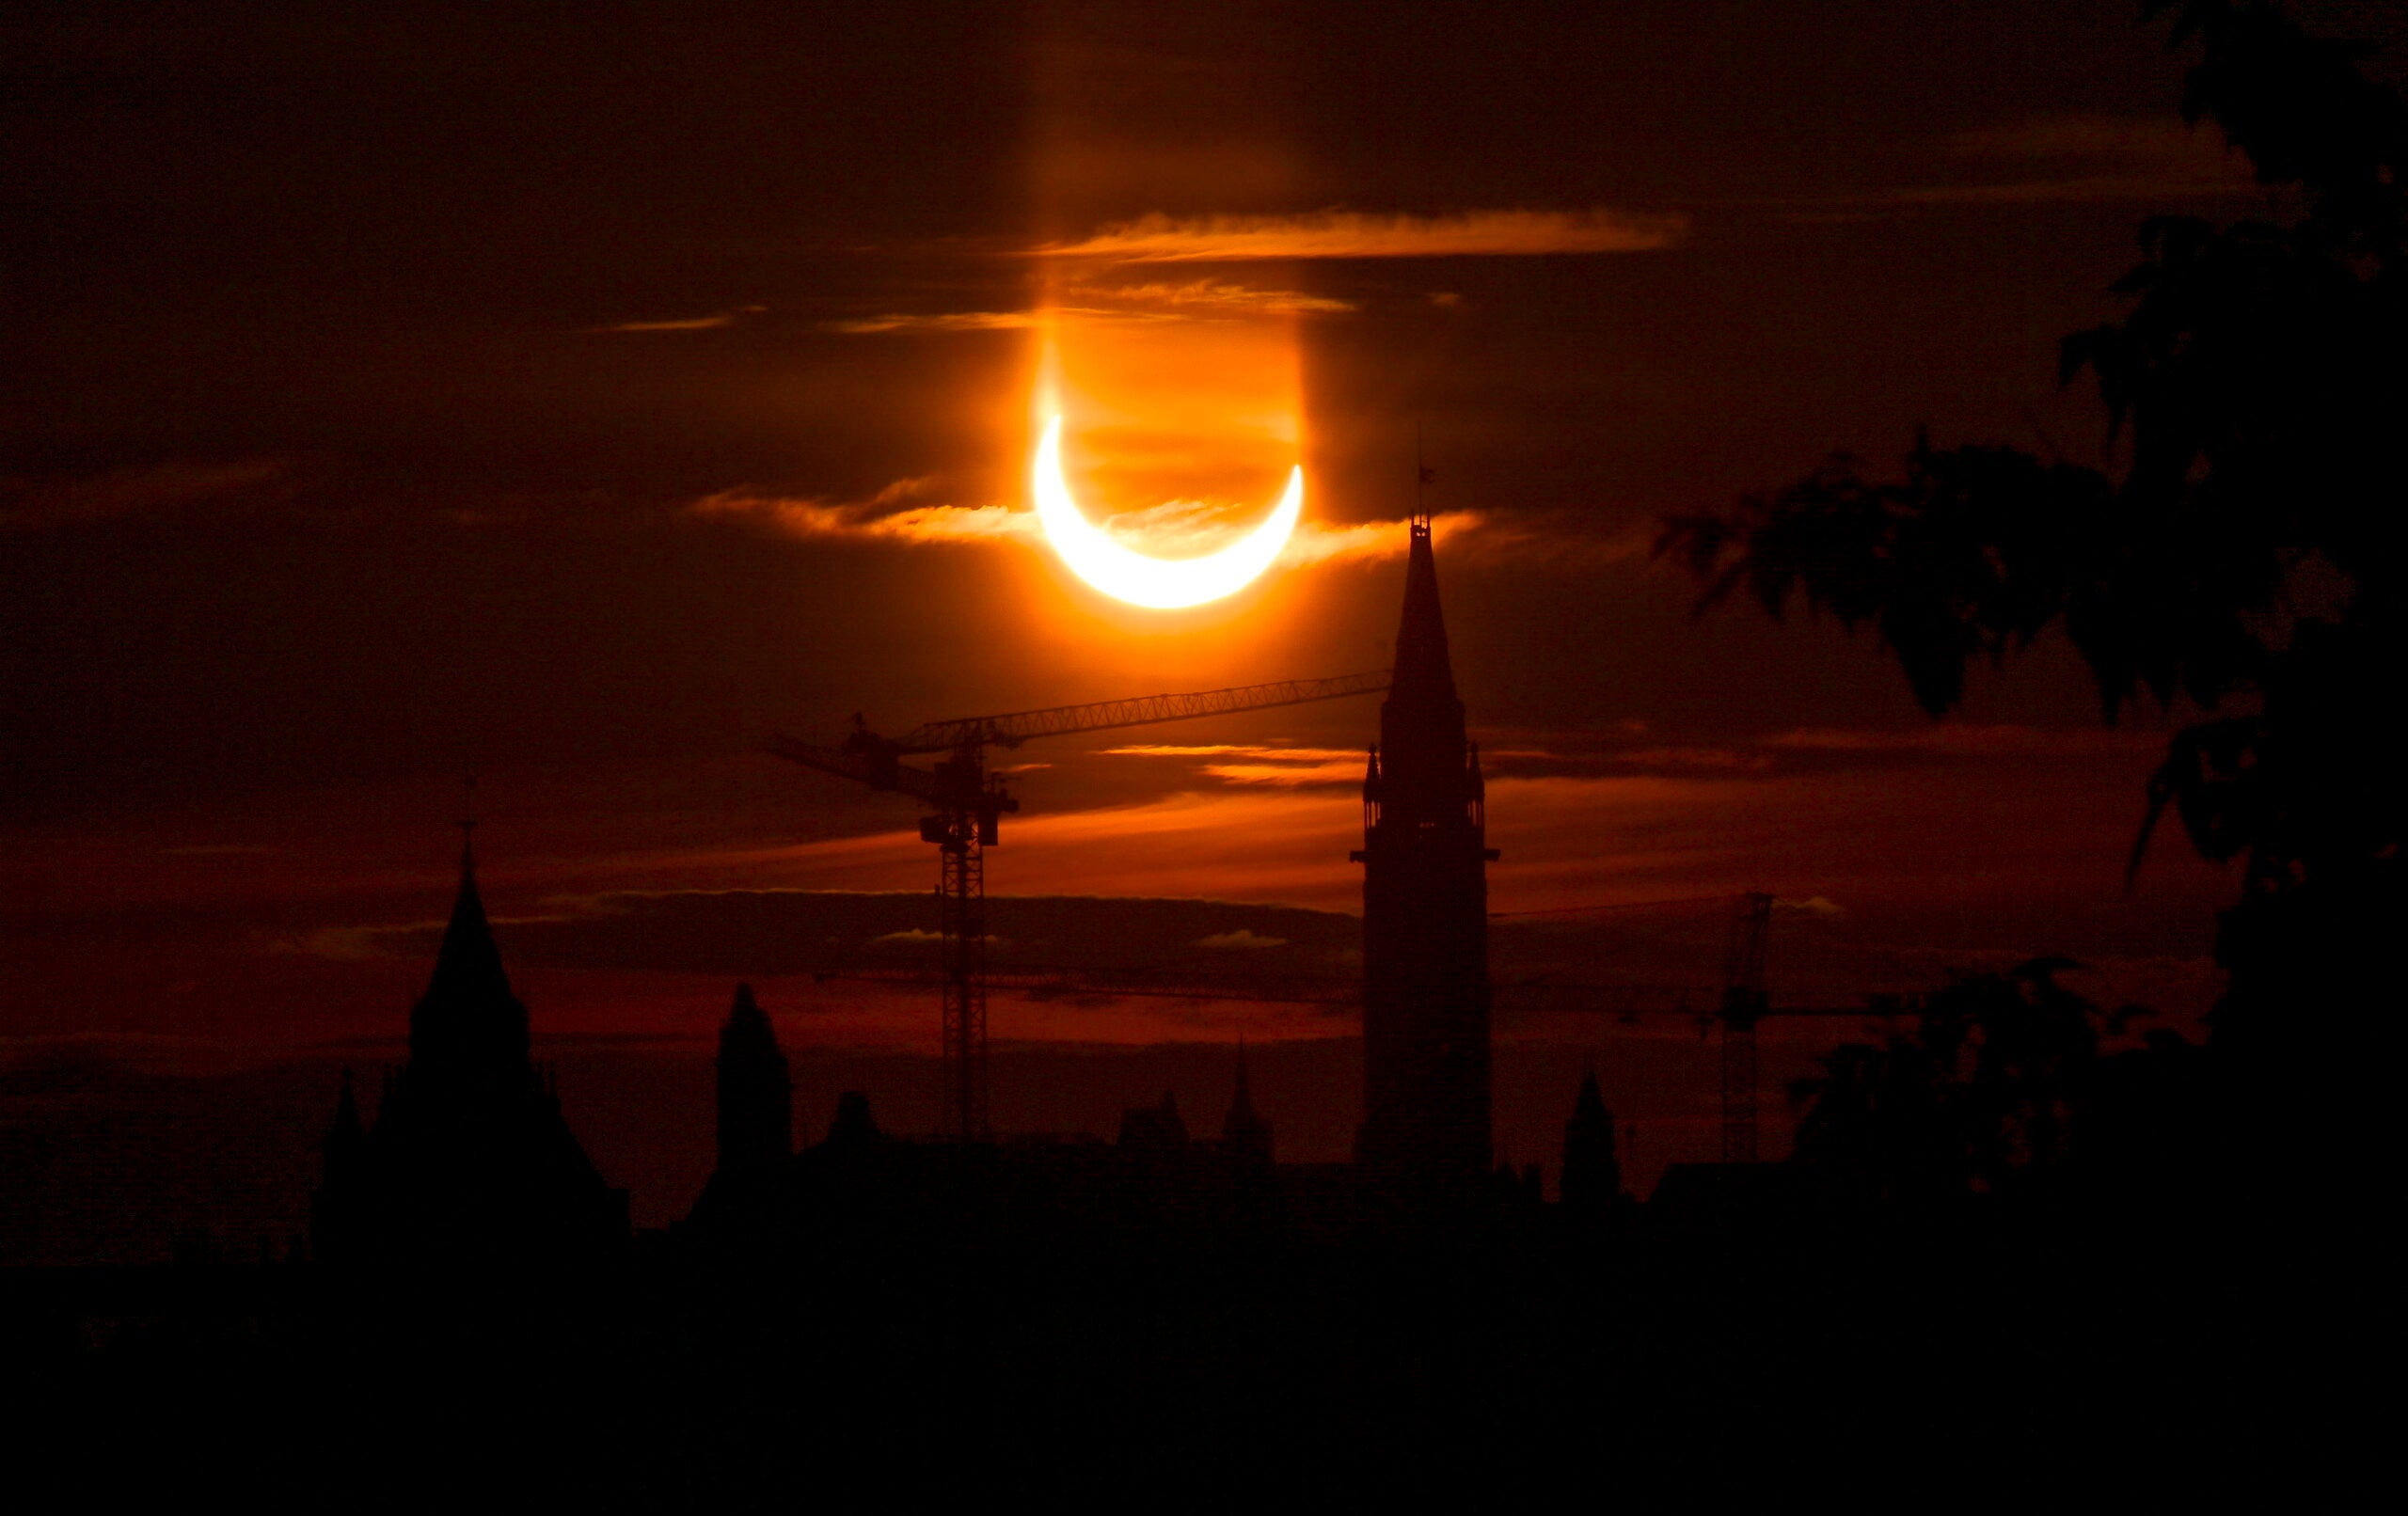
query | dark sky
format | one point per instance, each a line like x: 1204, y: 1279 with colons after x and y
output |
x: 570, y: 394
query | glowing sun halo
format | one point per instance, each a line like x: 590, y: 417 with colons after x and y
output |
x: 1159, y: 583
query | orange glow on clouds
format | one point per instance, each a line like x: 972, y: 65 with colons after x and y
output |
x: 1160, y: 239
x: 1165, y: 415
x: 1174, y: 528
x: 1134, y: 574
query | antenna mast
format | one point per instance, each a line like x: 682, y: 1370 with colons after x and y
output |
x: 1423, y: 475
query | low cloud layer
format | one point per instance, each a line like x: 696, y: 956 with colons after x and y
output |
x: 38, y: 504
x: 768, y: 933
x: 680, y: 323
x: 1173, y: 528
x: 2087, y: 157
x: 1090, y: 302
x: 1354, y: 234
x: 1238, y: 764
x: 938, y: 320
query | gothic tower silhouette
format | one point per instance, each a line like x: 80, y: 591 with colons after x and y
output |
x: 755, y: 1093
x: 756, y: 1125
x: 1425, y: 917
x: 469, y: 1160
x: 1592, y: 1182
x: 1245, y: 1134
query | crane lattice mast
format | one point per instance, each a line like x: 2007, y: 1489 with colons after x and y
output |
x: 968, y: 804
x: 1744, y: 1005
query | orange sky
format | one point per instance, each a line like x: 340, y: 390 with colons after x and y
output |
x: 413, y: 393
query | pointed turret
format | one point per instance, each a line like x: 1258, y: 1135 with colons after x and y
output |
x: 337, y: 1209
x: 1592, y: 1172
x: 756, y: 1125
x: 469, y: 1027
x: 755, y: 1093
x: 1243, y: 1133
x: 468, y: 962
x: 853, y: 1126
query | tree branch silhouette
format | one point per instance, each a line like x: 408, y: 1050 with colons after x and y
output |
x: 2244, y: 557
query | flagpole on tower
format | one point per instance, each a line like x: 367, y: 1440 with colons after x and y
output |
x: 1422, y: 475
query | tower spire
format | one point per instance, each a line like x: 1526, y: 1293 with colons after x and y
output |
x: 1245, y: 1134
x: 1426, y: 1128
x: 468, y: 1023
x: 756, y: 1092
x: 468, y: 960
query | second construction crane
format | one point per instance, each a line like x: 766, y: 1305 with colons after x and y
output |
x: 967, y: 805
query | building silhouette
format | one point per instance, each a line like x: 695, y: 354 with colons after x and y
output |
x: 1425, y: 919
x: 469, y: 1162
x: 1245, y: 1134
x: 862, y: 1187
x: 1590, y: 1185
x: 755, y: 1114
x: 1151, y: 1130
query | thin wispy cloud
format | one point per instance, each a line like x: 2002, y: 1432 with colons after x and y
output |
x: 1244, y: 936
x: 1226, y: 749
x: 687, y: 324
x: 1966, y: 739
x: 2086, y: 189
x: 1211, y: 296
x: 181, y: 485
x: 1348, y: 770
x: 1257, y: 765
x: 1174, y: 528
x: 1356, y: 234
x: 2087, y: 157
x: 1089, y: 303
x: 891, y: 515
x: 2159, y: 142
x: 711, y: 323
x: 939, y: 320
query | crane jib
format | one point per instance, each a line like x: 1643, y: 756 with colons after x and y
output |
x: 1013, y: 728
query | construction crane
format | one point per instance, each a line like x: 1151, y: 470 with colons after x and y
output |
x: 1744, y: 1005
x: 968, y: 804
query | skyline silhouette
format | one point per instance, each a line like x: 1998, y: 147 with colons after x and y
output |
x: 1868, y: 975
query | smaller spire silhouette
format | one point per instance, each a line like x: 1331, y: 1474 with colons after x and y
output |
x: 755, y: 1091
x: 853, y: 1125
x: 1243, y: 1133
x: 469, y: 1027
x: 468, y: 961
x: 1592, y: 1182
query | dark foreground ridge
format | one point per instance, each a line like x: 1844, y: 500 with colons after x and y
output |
x: 1097, y: 1323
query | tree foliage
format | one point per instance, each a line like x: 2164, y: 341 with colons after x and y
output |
x: 2244, y: 555
x: 1987, y: 1093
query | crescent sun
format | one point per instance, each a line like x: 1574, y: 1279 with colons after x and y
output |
x: 1161, y: 584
